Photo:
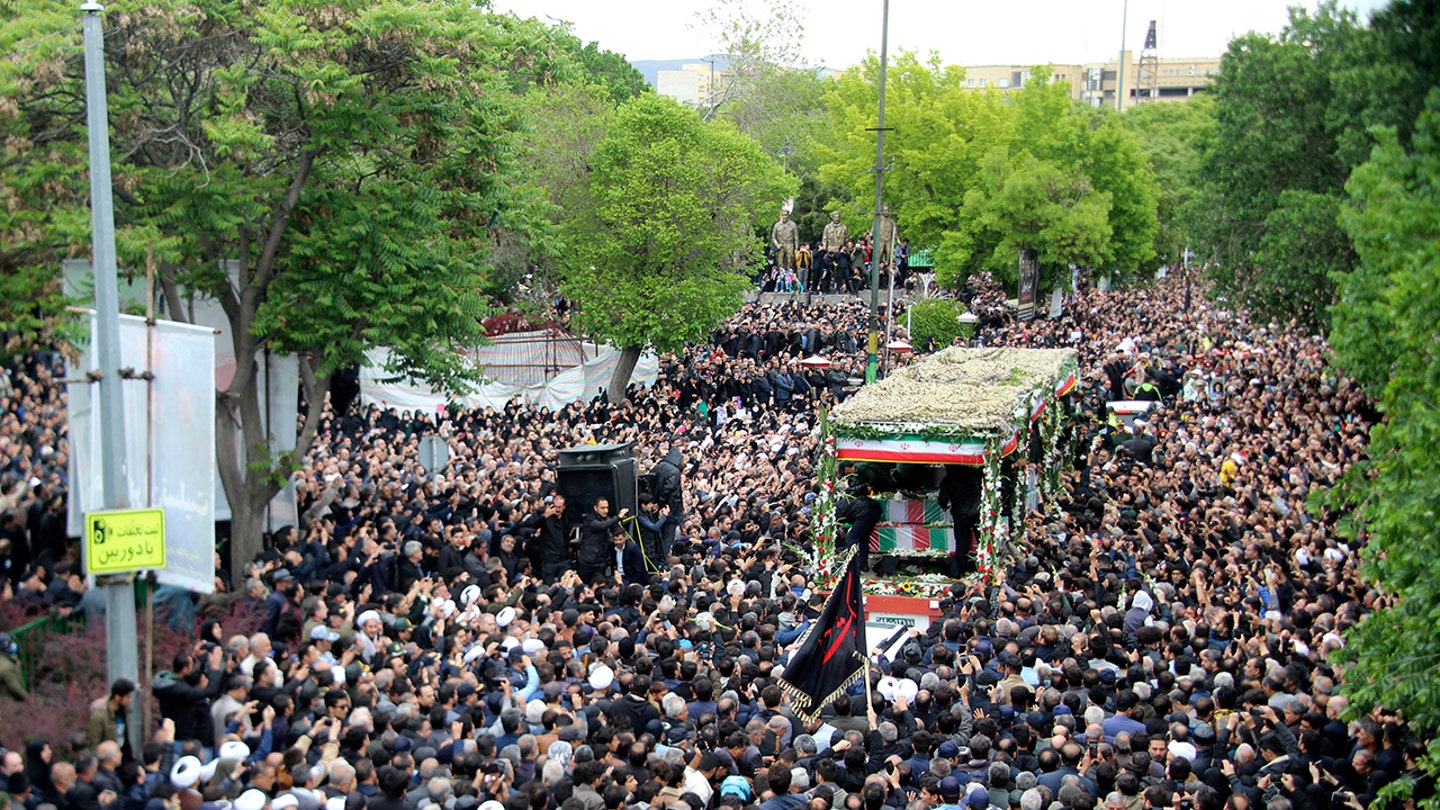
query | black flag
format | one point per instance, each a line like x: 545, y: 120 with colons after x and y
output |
x: 832, y: 653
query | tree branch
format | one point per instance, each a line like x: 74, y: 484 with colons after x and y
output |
x: 265, y: 269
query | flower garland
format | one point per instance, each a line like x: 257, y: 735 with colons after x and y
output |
x: 1051, y: 433
x: 993, y: 530
x: 826, y: 528
x: 877, y: 431
x: 927, y: 586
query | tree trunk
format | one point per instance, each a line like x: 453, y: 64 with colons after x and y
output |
x: 624, y: 367
x: 247, y: 534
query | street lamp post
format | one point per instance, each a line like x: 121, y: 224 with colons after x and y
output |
x: 121, y: 652
x: 872, y: 359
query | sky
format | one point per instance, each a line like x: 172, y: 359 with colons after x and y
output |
x: 838, y: 33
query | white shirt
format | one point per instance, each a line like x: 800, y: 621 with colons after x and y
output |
x: 695, y: 782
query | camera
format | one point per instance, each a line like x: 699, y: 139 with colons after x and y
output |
x: 1257, y: 712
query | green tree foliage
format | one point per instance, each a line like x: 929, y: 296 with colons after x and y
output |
x: 934, y: 321
x: 1385, y: 334
x: 979, y: 175
x: 564, y: 121
x: 763, y: 86
x: 658, y: 255
x: 1292, y: 114
x: 1172, y: 138
x: 611, y: 72
x: 1301, y: 234
x: 353, y: 161
x: 940, y: 133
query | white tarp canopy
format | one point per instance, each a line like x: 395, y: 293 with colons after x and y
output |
x: 582, y: 382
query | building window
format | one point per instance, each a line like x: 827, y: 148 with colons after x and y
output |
x: 1003, y: 83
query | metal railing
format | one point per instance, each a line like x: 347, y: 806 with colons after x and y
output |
x: 30, y: 638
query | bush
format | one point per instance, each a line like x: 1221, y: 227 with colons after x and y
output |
x: 934, y: 319
x: 69, y: 672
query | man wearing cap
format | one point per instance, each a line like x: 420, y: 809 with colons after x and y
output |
x: 252, y: 800
x: 949, y: 790
x: 185, y: 777
x: 370, y: 627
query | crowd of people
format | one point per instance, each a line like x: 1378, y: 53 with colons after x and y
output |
x: 1160, y: 637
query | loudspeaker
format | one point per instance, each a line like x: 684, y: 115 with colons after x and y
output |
x: 590, y: 472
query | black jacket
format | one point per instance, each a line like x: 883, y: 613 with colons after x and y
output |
x: 667, y: 482
x: 188, y: 706
x: 595, y: 545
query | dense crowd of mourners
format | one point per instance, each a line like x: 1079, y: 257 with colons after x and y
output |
x: 1161, y: 638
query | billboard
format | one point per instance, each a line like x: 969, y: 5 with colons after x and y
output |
x: 169, y: 441
x: 1029, y: 283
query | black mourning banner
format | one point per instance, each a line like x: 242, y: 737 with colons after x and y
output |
x: 832, y: 653
x: 1029, y: 284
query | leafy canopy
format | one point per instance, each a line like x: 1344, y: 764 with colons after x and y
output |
x: 657, y: 255
x: 1386, y: 335
x: 1293, y: 115
x: 980, y: 175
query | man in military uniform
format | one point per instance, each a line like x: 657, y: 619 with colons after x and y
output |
x: 786, y: 239
x: 832, y: 242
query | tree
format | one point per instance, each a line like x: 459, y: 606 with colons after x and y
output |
x: 1024, y: 203
x: 351, y: 162
x: 941, y: 133
x: 753, y: 46
x: 1291, y: 114
x: 981, y: 175
x: 1172, y: 137
x: 1385, y: 335
x: 934, y: 321
x: 564, y: 121
x: 658, y: 255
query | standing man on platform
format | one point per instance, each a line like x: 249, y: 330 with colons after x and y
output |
x: 669, y: 492
x: 786, y: 239
x: 832, y: 244
x: 960, y: 493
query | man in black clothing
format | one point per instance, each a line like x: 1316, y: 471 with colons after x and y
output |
x: 552, y: 551
x: 634, y: 707
x: 862, y: 512
x: 186, y: 704
x: 595, y: 547
x: 960, y: 494
x: 393, y: 784
x: 668, y: 492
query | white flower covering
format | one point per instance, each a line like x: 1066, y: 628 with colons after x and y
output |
x: 972, y: 389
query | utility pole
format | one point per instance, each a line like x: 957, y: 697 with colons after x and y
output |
x: 120, y: 642
x: 872, y: 360
x: 1123, y: 63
